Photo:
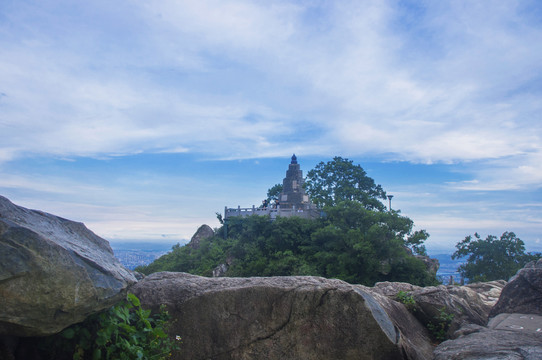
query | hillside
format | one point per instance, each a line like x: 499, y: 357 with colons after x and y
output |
x: 352, y: 244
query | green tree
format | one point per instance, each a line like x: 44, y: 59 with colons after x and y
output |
x: 491, y: 258
x: 415, y: 241
x: 338, y: 180
x: 365, y: 246
x: 274, y: 192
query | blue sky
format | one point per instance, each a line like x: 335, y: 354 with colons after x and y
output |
x: 143, y: 119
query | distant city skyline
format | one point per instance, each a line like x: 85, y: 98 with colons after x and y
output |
x: 144, y: 119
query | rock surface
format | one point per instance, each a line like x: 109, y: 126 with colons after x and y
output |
x: 517, y: 322
x: 432, y: 265
x: 507, y: 337
x: 203, y: 232
x: 391, y: 289
x: 220, y: 270
x: 53, y: 272
x: 523, y: 293
x: 469, y: 304
x: 283, y: 318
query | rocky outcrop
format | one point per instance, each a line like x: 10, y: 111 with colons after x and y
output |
x: 222, y: 269
x: 516, y: 330
x: 523, y: 293
x: 203, y: 232
x: 432, y: 265
x: 53, y: 272
x: 507, y: 337
x: 391, y: 289
x: 283, y: 318
x: 469, y: 304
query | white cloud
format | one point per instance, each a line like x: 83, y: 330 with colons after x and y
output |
x: 433, y: 82
x: 228, y: 26
x: 356, y: 63
x: 520, y: 172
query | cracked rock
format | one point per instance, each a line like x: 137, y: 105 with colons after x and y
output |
x: 283, y: 318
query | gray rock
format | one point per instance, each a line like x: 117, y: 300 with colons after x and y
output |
x: 53, y: 272
x: 523, y: 293
x: 517, y: 322
x: 391, y: 289
x: 492, y: 344
x: 432, y: 265
x: 469, y: 304
x: 283, y: 318
x: 203, y: 232
x: 468, y: 329
x: 509, y: 335
x: 220, y: 270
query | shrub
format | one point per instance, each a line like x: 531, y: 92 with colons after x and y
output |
x: 440, y: 324
x: 125, y: 331
x: 407, y: 300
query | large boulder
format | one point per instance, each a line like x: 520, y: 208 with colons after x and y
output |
x: 203, y: 232
x: 515, y: 328
x: 283, y: 318
x: 468, y: 304
x: 53, y: 272
x: 523, y: 293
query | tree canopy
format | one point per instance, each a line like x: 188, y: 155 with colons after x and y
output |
x: 352, y: 243
x: 274, y: 192
x: 339, y: 180
x: 492, y: 258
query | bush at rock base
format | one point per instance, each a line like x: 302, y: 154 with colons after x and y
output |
x: 438, y: 326
x: 125, y: 331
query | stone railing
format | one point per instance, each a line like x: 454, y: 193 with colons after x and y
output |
x: 304, y: 212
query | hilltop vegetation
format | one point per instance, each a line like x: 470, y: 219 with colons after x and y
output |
x: 352, y: 243
x: 357, y: 241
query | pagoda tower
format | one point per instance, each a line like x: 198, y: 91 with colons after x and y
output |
x: 292, y: 201
x: 293, y: 194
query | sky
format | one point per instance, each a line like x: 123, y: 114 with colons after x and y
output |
x: 143, y: 119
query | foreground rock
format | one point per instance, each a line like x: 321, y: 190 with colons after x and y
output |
x: 391, y: 289
x: 507, y: 337
x: 516, y: 330
x: 53, y: 272
x: 523, y: 293
x: 469, y: 304
x: 283, y: 318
